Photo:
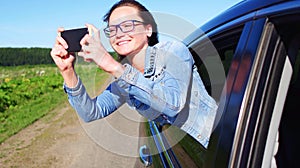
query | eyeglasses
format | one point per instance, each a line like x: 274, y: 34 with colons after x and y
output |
x: 125, y: 27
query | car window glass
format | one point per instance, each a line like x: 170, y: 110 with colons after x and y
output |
x: 224, y: 45
x: 288, y: 145
x: 296, y: 78
x: 288, y: 28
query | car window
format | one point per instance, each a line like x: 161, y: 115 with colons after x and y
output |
x: 288, y: 140
x: 289, y: 145
x: 210, y: 54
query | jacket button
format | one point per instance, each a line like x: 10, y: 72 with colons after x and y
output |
x: 129, y: 76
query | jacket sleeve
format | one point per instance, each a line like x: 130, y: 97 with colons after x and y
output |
x: 90, y: 109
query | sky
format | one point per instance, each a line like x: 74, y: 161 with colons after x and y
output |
x: 34, y: 23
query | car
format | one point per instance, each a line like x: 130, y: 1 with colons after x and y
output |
x: 257, y: 45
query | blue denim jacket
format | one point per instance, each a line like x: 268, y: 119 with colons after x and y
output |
x: 170, y: 92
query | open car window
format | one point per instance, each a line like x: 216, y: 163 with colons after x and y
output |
x: 213, y: 56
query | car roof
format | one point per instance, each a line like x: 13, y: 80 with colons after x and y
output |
x: 240, y: 9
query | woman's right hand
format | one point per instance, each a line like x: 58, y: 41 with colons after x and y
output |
x: 59, y: 54
x: 64, y: 60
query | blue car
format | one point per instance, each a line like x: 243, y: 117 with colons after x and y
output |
x: 257, y: 45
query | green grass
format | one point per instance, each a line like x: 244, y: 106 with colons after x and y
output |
x: 92, y: 77
x: 26, y: 94
x: 23, y: 116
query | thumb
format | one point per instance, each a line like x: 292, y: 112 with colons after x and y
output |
x: 93, y: 31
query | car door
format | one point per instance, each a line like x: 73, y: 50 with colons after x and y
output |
x: 229, y: 133
x: 264, y: 96
x: 255, y: 99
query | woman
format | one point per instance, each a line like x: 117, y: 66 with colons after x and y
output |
x: 159, y: 79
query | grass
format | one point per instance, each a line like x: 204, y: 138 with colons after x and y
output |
x: 26, y: 114
x: 92, y: 77
x: 30, y: 95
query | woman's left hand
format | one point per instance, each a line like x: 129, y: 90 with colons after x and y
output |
x: 93, y: 50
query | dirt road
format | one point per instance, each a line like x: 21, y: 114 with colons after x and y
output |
x: 59, y: 140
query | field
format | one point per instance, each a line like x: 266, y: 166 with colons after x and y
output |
x: 57, y: 138
x: 27, y: 93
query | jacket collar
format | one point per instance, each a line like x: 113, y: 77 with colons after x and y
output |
x: 150, y: 61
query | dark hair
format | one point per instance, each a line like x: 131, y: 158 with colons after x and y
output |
x: 144, y: 14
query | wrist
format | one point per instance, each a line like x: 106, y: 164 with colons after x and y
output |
x: 70, y: 78
x: 110, y: 65
x: 118, y: 70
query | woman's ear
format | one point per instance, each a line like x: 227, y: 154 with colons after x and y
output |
x: 149, y: 30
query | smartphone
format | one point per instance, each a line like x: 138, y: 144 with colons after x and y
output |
x: 73, y: 37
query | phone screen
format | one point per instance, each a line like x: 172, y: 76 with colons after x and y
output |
x: 73, y: 37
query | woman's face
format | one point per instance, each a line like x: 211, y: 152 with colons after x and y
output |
x: 130, y: 43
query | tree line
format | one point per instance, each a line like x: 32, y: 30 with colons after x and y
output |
x: 25, y: 56
x: 28, y: 56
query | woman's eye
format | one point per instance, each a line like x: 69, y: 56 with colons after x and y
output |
x: 112, y: 30
x: 127, y: 25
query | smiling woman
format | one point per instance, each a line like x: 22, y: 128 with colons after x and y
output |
x: 149, y: 79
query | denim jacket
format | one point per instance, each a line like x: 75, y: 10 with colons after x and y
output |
x: 169, y: 92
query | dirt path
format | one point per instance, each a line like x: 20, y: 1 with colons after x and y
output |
x: 58, y: 140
